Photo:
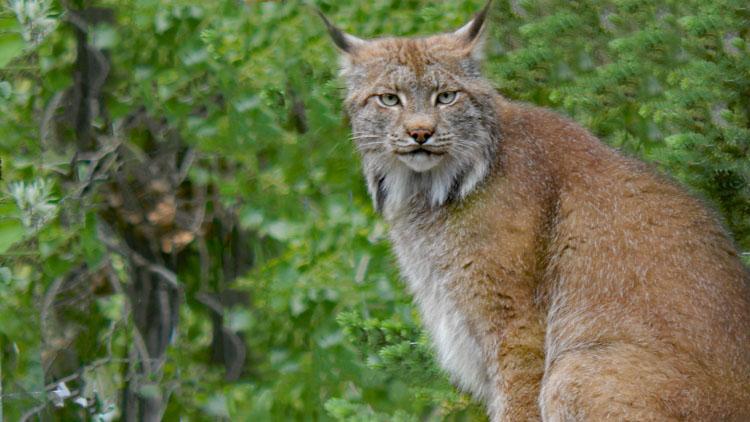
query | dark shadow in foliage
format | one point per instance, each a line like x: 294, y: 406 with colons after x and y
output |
x: 153, y: 216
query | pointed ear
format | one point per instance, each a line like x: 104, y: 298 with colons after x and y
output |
x: 472, y: 35
x: 345, y: 42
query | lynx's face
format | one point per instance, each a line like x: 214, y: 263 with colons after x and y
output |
x: 422, y: 116
x: 409, y: 106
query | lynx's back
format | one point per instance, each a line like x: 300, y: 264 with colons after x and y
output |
x: 559, y: 279
x: 645, y: 299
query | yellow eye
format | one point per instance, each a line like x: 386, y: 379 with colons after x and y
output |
x: 389, y: 100
x: 446, y: 97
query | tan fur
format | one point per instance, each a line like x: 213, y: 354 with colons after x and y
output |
x: 639, y: 290
x: 572, y: 283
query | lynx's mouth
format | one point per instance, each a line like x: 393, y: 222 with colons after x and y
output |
x: 420, y: 159
x: 419, y: 151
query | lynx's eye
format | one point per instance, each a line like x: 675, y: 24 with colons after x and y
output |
x: 447, y: 97
x: 388, y: 100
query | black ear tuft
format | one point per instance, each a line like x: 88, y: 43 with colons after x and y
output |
x: 343, y: 41
x: 471, y: 30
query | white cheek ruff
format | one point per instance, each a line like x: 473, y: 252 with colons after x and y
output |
x: 396, y: 181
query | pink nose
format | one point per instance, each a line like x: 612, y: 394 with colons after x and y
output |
x: 420, y: 135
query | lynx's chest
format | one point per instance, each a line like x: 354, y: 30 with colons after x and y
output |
x: 435, y: 287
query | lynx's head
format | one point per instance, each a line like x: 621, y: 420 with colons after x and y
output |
x: 422, y: 115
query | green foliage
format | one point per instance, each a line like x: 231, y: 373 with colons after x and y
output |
x: 251, y: 87
x: 389, y: 347
x: 667, y: 81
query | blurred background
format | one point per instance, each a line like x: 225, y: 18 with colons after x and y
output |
x: 185, y: 234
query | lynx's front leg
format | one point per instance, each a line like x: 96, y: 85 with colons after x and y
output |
x: 509, y: 328
x: 519, y: 376
x: 484, y: 322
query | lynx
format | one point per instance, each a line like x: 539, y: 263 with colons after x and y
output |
x: 559, y: 279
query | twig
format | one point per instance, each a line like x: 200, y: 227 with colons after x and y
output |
x: 95, y: 364
x: 110, y: 151
x: 185, y: 165
x: 165, y: 273
x: 49, y: 113
x: 49, y: 298
x: 140, y: 344
x: 74, y: 18
x: 200, y: 212
x: 211, y: 302
x: 33, y: 411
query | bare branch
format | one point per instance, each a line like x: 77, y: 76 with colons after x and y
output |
x: 113, y: 245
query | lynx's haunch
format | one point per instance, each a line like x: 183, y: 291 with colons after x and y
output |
x: 559, y: 280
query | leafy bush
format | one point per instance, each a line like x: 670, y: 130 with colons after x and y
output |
x: 194, y: 159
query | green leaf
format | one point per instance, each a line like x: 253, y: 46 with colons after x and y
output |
x: 217, y: 406
x: 149, y: 391
x: 282, y: 230
x: 102, y: 383
x: 11, y: 232
x: 6, y: 89
x: 92, y: 247
x: 11, y: 46
x: 6, y: 275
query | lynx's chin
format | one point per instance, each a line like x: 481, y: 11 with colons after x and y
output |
x: 420, y: 160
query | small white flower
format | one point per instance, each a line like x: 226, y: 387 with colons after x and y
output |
x: 35, y: 17
x: 108, y: 414
x: 34, y: 201
x: 59, y: 394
